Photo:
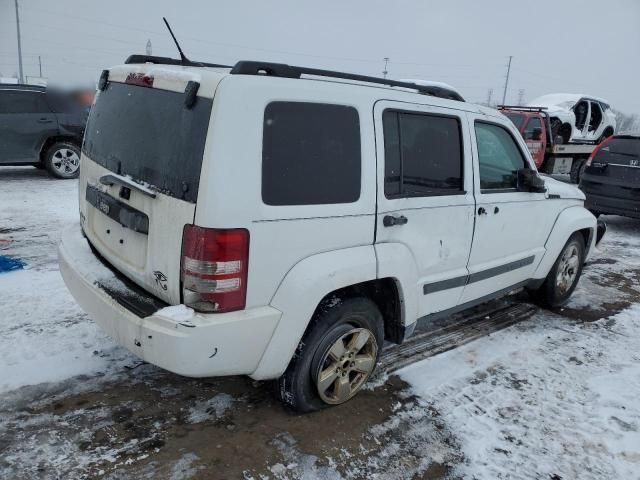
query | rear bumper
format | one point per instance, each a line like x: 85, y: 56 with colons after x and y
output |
x: 612, y: 205
x: 200, y: 346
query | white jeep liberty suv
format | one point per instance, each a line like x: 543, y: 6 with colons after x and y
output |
x: 282, y: 222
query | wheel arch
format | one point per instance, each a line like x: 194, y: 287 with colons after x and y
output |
x: 319, y: 279
x: 576, y: 219
x: 53, y: 140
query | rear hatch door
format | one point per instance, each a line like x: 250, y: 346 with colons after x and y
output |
x: 140, y: 170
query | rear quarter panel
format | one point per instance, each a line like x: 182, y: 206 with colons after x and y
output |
x: 230, y: 184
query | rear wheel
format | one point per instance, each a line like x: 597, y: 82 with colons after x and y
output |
x: 565, y: 132
x: 563, y: 277
x: 576, y: 171
x: 336, y: 356
x: 62, y: 160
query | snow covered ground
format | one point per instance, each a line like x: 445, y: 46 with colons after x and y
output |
x: 556, y: 396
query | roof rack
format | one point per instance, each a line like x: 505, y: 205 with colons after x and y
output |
x: 170, y: 61
x: 246, y: 67
x: 524, y: 109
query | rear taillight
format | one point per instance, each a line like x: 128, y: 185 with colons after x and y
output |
x: 214, y: 268
x: 597, y: 149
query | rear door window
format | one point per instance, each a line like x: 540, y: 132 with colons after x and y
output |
x: 423, y: 154
x: 150, y: 135
x: 310, y: 154
x: 15, y: 101
x: 499, y: 158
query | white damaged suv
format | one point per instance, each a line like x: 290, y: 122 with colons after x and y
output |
x: 283, y: 222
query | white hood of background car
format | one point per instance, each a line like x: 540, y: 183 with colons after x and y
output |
x: 564, y: 190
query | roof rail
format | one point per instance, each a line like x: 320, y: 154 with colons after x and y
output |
x: 524, y: 109
x: 169, y: 61
x: 245, y: 67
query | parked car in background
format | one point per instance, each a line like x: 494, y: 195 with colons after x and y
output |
x: 577, y: 118
x: 41, y: 128
x: 285, y: 227
x: 611, y: 177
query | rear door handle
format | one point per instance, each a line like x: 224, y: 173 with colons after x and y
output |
x: 45, y: 120
x: 391, y: 220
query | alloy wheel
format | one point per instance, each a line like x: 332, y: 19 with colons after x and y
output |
x: 346, y: 366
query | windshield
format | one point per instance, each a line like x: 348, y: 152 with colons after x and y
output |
x: 517, y: 119
x: 149, y: 135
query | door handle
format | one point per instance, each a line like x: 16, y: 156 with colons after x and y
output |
x: 391, y: 220
x: 482, y: 211
x: 45, y: 120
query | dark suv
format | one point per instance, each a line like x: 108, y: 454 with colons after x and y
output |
x: 41, y: 128
x: 611, y: 179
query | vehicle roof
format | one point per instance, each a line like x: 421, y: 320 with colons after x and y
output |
x: 22, y: 86
x: 210, y: 77
x: 555, y: 99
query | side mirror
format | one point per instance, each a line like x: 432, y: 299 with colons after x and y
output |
x: 530, y: 181
x: 537, y: 134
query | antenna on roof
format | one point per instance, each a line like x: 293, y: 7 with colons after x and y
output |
x: 185, y: 60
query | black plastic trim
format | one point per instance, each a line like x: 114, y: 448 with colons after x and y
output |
x: 169, y: 61
x: 134, y: 298
x: 249, y: 67
x: 125, y: 215
x: 476, y: 277
x: 473, y: 303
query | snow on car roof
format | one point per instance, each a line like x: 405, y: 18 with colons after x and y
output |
x: 431, y: 83
x: 558, y: 99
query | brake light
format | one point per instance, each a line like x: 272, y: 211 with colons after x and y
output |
x: 214, y: 268
x: 597, y: 149
x: 139, y: 79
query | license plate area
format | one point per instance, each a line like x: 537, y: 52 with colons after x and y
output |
x: 116, y: 229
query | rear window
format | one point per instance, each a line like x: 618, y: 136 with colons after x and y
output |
x: 310, y: 154
x: 23, y: 101
x: 620, y: 150
x: 517, y: 119
x: 149, y: 135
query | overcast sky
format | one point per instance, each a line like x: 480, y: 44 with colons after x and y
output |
x: 586, y: 46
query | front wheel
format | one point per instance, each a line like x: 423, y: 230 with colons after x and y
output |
x: 564, y: 275
x: 336, y: 357
x: 62, y: 160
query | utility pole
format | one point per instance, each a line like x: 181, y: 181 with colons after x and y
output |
x: 40, y: 65
x: 149, y: 47
x: 21, y: 78
x: 489, y: 95
x: 520, y: 96
x: 506, y: 82
x: 386, y: 62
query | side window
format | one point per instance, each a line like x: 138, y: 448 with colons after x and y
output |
x: 534, y: 122
x: 499, y: 157
x: 12, y: 101
x: 310, y: 154
x: 423, y: 154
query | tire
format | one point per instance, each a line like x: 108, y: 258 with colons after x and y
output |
x: 325, y: 347
x: 565, y: 132
x: 576, y: 171
x: 551, y: 294
x: 62, y: 160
